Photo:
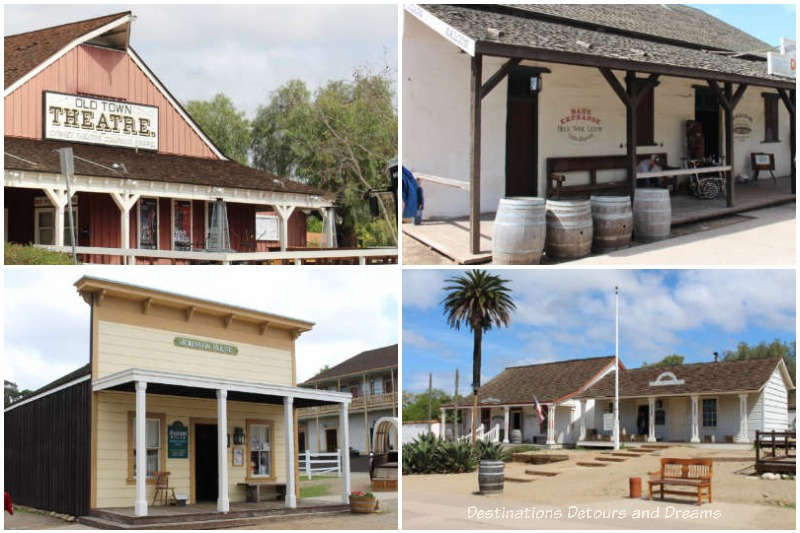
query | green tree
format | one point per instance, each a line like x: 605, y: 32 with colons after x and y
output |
x: 227, y: 127
x: 415, y: 405
x: 478, y: 300
x: 11, y: 392
x: 339, y: 141
x: 669, y: 360
x: 776, y: 348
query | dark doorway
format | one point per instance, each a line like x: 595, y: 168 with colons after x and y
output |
x: 643, y: 420
x: 522, y: 133
x: 301, y: 438
x: 205, y: 462
x: 516, y: 419
x: 706, y: 112
x: 331, y: 441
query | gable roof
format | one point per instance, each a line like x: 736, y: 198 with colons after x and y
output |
x: 27, y: 54
x: 547, y: 381
x: 85, y: 370
x: 37, y: 155
x: 747, y: 375
x: 384, y: 357
x: 562, y: 34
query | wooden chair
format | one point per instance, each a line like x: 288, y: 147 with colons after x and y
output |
x: 163, y: 491
x: 694, y: 473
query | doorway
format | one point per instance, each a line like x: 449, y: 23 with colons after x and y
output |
x: 643, y: 420
x: 706, y: 112
x: 205, y: 463
x: 331, y: 440
x: 522, y: 132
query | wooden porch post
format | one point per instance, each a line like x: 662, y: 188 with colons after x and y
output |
x: 476, y: 78
x: 223, y: 501
x: 788, y: 98
x: 344, y: 427
x: 729, y: 99
x: 140, y: 503
x: 630, y: 129
x: 288, y: 424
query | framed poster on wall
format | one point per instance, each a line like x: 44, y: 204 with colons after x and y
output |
x: 148, y: 223
x: 238, y: 456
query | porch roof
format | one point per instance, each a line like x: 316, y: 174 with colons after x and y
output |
x: 39, y: 155
x: 169, y: 383
x: 748, y: 375
x: 511, y: 31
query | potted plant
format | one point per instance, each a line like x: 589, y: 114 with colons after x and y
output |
x: 491, y: 468
x: 363, y: 502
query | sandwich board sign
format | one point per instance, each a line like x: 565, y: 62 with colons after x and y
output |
x: 785, y: 62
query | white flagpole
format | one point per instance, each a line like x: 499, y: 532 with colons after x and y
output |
x: 616, y: 371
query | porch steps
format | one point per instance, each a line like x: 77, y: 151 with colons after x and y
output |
x: 541, y: 473
x: 625, y: 454
x: 210, y: 520
x: 655, y: 446
x: 538, y: 458
x: 518, y: 479
x: 610, y: 459
x: 591, y: 464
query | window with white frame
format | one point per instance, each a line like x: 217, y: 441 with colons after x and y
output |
x: 260, y: 451
x: 148, y: 223
x: 152, y: 440
x: 182, y: 225
x: 709, y: 412
x: 45, y: 222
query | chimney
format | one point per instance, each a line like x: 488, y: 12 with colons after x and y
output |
x: 716, y: 357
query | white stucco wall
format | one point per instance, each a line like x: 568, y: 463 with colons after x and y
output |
x: 412, y: 430
x: 436, y: 120
x: 357, y: 432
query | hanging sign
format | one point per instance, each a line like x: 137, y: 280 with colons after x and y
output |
x: 196, y: 344
x: 785, y: 62
x: 86, y: 119
x: 177, y: 441
x: 579, y: 126
x: 742, y: 126
x: 608, y: 421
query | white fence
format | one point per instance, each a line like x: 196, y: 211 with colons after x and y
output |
x: 321, y: 463
x: 493, y: 435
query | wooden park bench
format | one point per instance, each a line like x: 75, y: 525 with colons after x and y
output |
x: 254, y: 489
x: 693, y: 473
x: 557, y: 167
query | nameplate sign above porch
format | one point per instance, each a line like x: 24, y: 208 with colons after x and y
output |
x: 206, y: 346
x: 86, y: 119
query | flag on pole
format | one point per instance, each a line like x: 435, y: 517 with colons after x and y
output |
x: 538, y: 409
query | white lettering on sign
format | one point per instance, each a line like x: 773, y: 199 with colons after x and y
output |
x: 70, y: 117
x: 442, y: 28
x: 579, y: 126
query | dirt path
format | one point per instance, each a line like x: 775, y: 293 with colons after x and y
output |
x: 449, y: 502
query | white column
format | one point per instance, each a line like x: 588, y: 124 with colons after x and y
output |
x: 582, y: 433
x: 345, y: 429
x: 288, y: 421
x: 442, y: 423
x: 651, y: 422
x: 551, y: 425
x: 284, y: 212
x: 695, y: 429
x: 140, y: 505
x: 330, y: 229
x: 125, y: 201
x: 506, y: 411
x: 223, y: 502
x: 743, y: 435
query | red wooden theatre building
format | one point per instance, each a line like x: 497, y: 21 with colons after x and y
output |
x: 146, y: 176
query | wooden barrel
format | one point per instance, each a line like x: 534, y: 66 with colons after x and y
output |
x: 516, y: 436
x: 613, y: 222
x: 518, y: 234
x: 652, y: 215
x: 569, y: 228
x: 490, y: 477
x: 363, y: 504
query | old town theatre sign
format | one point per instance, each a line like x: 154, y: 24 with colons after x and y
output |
x: 580, y: 126
x: 85, y: 119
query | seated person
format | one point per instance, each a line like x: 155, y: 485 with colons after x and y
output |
x: 650, y: 164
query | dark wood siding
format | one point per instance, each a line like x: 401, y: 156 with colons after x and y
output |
x: 48, y: 451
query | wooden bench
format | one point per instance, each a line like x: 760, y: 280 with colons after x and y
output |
x: 692, y: 473
x: 558, y: 166
x: 254, y: 489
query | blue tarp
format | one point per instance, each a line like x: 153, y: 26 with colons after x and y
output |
x: 412, y: 195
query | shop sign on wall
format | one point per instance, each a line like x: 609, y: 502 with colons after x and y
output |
x: 580, y: 126
x: 177, y: 441
x: 207, y: 346
x: 85, y: 119
x: 742, y: 126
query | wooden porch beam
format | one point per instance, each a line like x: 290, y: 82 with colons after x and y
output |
x: 476, y: 78
x: 646, y: 87
x: 615, y: 84
x: 737, y: 96
x: 228, y: 320
x: 189, y: 312
x: 498, y: 76
x: 146, y: 305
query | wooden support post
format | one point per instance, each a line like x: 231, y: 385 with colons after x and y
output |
x: 729, y: 143
x: 476, y: 81
x: 788, y: 98
x: 630, y: 130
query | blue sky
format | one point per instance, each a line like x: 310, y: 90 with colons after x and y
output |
x: 569, y: 313
x: 768, y: 22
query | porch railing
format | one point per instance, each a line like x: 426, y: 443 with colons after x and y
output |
x: 493, y: 435
x: 776, y: 451
x: 373, y: 401
x: 321, y: 463
x: 361, y: 255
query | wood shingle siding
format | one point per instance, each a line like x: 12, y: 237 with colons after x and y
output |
x: 47, y: 451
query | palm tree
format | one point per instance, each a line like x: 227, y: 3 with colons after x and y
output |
x: 478, y: 300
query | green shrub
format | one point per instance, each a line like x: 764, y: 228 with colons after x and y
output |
x: 428, y: 454
x: 489, y: 451
x: 19, y: 254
